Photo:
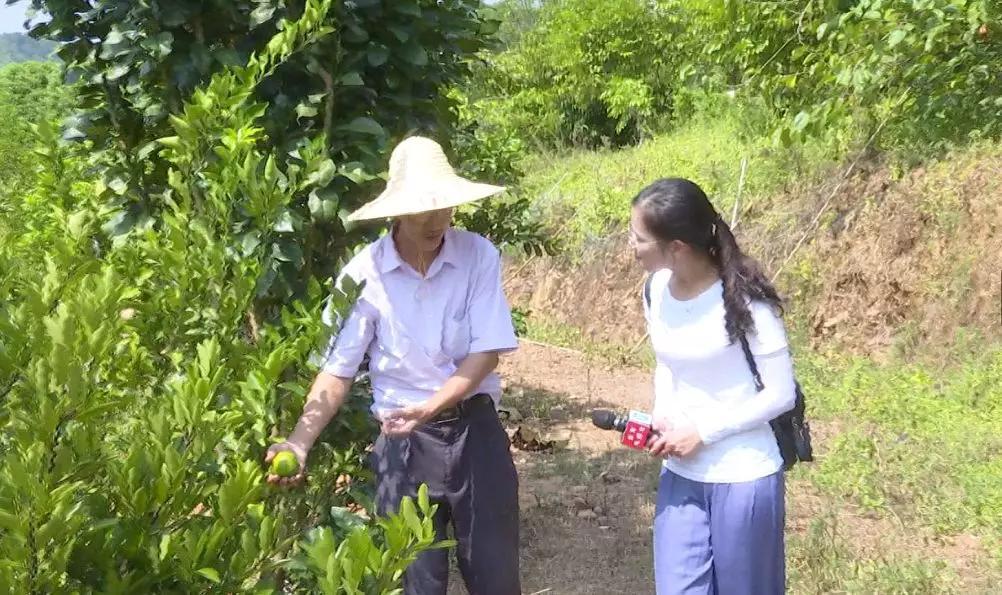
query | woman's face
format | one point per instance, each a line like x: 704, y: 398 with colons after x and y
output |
x: 651, y: 253
x: 425, y: 230
x: 646, y: 248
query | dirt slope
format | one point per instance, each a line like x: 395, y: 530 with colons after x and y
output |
x: 897, y: 261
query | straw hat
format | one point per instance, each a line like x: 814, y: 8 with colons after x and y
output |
x: 421, y: 180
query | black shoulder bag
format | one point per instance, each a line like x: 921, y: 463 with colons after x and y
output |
x: 791, y: 429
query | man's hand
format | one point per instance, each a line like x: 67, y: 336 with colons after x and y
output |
x: 399, y: 423
x: 300, y: 453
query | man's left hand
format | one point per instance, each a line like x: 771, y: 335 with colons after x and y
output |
x: 401, y: 422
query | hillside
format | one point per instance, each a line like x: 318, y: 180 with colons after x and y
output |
x: 899, y: 260
x: 18, y: 47
x: 894, y: 308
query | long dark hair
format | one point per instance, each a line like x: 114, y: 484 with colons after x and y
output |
x: 678, y: 209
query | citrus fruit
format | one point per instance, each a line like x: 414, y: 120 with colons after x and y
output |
x: 285, y: 464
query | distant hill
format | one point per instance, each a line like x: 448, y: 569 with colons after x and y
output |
x: 18, y: 47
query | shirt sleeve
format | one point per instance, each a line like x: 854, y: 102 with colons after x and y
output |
x: 778, y: 396
x: 770, y: 334
x: 770, y: 349
x: 350, y: 342
x: 491, y: 327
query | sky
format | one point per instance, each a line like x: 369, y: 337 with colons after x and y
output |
x: 12, y: 17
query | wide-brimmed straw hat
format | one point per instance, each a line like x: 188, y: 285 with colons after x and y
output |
x: 421, y: 179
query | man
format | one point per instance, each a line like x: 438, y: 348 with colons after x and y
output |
x: 432, y: 319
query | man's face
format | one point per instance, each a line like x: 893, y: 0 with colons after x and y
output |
x: 425, y: 230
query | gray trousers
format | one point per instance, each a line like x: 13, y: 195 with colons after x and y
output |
x: 467, y: 466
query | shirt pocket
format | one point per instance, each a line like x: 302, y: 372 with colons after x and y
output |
x: 456, y: 336
x: 391, y: 341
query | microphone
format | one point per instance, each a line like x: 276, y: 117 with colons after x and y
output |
x: 635, y: 426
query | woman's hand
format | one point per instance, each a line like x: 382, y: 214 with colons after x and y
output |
x: 658, y: 445
x: 683, y: 440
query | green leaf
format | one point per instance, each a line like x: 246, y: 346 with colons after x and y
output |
x: 378, y: 54
x: 412, y: 52
x: 116, y: 72
x: 801, y: 121
x: 304, y: 110
x: 285, y: 223
x: 322, y: 208
x: 408, y: 8
x: 363, y: 125
x: 424, y: 503
x: 355, y: 172
x: 345, y: 519
x: 896, y: 37
x: 489, y: 26
x: 160, y: 44
x: 400, y: 32
x: 323, y: 175
x: 118, y: 185
x: 351, y: 79
x: 409, y: 513
x: 262, y: 14
x: 355, y: 34
x: 146, y: 150
x: 288, y: 251
x: 210, y: 573
x: 249, y: 242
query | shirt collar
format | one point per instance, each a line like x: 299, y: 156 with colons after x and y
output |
x: 389, y: 259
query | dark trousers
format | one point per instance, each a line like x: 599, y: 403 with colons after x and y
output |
x: 467, y: 466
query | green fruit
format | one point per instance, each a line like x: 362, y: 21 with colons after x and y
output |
x: 285, y: 464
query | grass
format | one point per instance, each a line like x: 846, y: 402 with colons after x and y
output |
x: 585, y: 193
x: 822, y: 560
x: 920, y: 444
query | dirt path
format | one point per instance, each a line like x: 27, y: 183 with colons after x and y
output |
x: 587, y: 507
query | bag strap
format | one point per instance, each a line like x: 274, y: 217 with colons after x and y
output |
x: 759, y: 385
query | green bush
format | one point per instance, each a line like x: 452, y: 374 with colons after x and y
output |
x: 378, y: 76
x: 590, y: 72
x: 31, y: 93
x: 140, y: 388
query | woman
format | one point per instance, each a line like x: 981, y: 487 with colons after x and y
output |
x: 720, y: 511
x: 431, y: 321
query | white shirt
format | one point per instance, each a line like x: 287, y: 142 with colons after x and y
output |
x: 417, y: 330
x: 703, y: 378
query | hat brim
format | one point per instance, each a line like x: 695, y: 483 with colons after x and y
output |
x: 445, y: 194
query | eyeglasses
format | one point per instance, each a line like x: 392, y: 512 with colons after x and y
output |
x: 636, y: 240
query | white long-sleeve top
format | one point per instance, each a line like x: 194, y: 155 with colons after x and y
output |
x: 703, y: 378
